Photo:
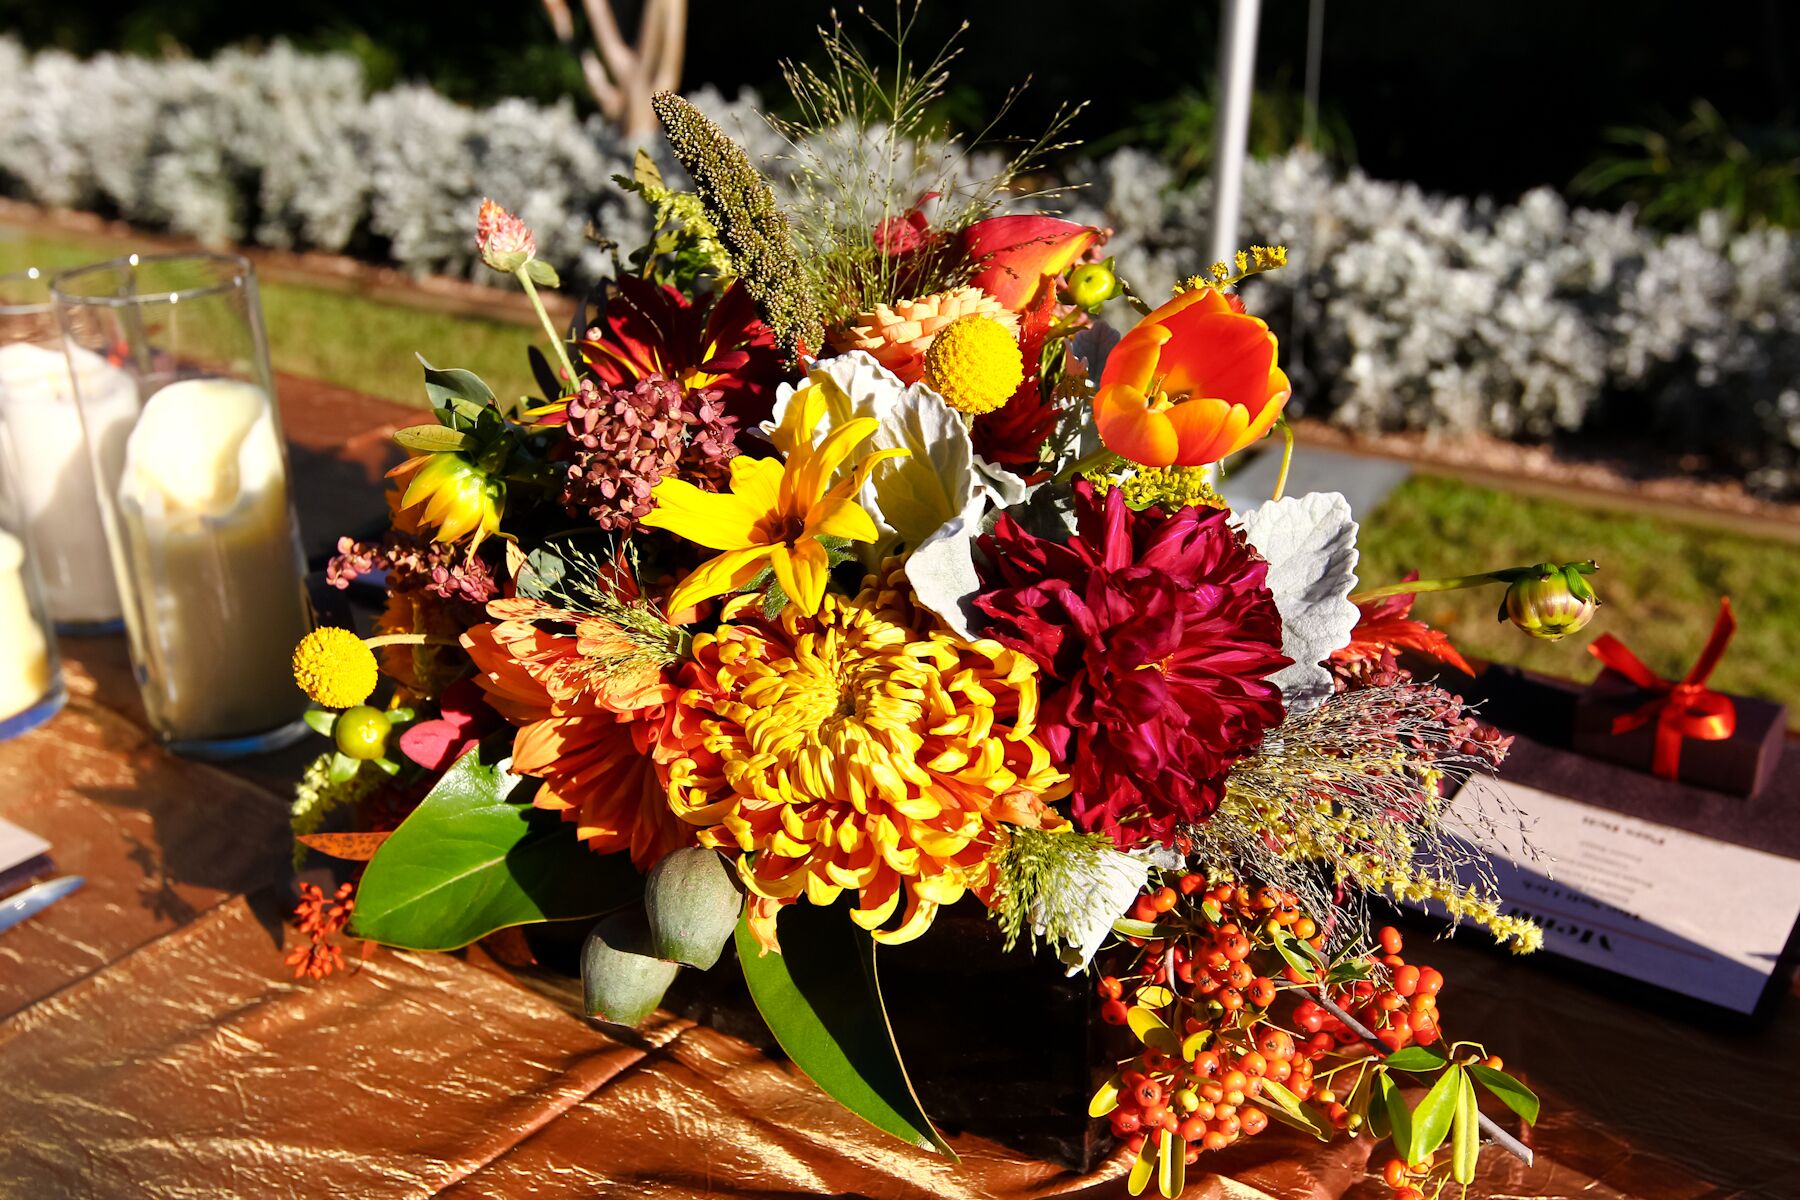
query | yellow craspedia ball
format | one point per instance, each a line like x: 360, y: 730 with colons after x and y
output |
x: 334, y: 668
x: 975, y: 364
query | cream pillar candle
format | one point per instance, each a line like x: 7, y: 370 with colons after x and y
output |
x: 54, y: 484
x: 24, y: 650
x: 210, y: 555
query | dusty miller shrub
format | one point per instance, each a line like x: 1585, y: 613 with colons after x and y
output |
x: 1402, y: 310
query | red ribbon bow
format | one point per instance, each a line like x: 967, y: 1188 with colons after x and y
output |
x: 1688, y: 709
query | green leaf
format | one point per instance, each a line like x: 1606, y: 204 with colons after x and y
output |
x: 1151, y: 1030
x: 1431, y: 1120
x: 622, y: 980
x: 467, y: 862
x: 1510, y: 1091
x: 1399, y: 1118
x: 319, y: 720
x: 1171, y: 1166
x: 542, y: 570
x: 644, y: 171
x: 1465, y: 1135
x: 542, y: 273
x: 1144, y: 1167
x: 1132, y: 927
x: 821, y: 998
x: 1105, y: 1099
x: 457, y: 396
x: 433, y: 438
x: 1298, y: 954
x: 343, y: 768
x: 1284, y: 1106
x: 693, y: 904
x: 1416, y: 1059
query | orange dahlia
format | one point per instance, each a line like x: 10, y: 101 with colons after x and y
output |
x: 899, y: 334
x: 864, y: 748
x: 593, y: 711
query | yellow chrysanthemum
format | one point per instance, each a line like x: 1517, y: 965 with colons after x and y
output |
x: 866, y: 749
x: 975, y: 364
x: 899, y: 334
x: 335, y: 668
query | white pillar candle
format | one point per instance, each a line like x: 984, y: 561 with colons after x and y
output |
x: 54, y: 487
x: 211, y: 559
x: 24, y: 650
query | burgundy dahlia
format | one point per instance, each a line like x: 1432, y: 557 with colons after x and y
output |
x: 1156, y: 635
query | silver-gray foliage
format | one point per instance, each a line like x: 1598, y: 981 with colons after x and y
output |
x: 1401, y: 309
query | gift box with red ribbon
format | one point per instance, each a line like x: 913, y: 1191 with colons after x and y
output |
x: 1679, y: 729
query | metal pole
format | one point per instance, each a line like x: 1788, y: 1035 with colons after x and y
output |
x: 1237, y: 70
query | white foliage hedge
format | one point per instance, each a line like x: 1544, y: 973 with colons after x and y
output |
x: 1402, y: 310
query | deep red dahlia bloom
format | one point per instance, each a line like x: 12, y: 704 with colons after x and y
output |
x: 720, y: 346
x: 1156, y: 635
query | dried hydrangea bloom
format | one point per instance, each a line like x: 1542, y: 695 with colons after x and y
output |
x: 623, y: 441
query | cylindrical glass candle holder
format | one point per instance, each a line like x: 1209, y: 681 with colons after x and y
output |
x: 53, y: 487
x: 31, y: 686
x: 194, y: 495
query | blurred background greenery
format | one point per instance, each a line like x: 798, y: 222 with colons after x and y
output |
x: 1488, y: 99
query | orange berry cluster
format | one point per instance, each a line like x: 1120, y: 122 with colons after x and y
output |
x: 1403, y: 1013
x: 1222, y: 998
x: 1215, y: 981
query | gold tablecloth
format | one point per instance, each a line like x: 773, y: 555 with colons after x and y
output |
x: 152, y: 1043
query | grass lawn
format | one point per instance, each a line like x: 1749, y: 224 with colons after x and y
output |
x: 1660, y: 579
x: 335, y: 336
x: 1659, y: 582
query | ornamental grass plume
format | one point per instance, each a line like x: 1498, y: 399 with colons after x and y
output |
x: 753, y: 229
x: 1156, y: 634
x: 1362, y: 795
x: 864, y: 749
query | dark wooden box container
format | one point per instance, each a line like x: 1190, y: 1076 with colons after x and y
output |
x: 1741, y: 765
x: 998, y: 1044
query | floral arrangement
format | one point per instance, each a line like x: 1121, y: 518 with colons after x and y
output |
x: 850, y: 566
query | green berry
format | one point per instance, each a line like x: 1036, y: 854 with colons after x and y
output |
x: 1093, y: 284
x: 362, y: 732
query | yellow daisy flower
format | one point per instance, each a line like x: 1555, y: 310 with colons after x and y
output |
x: 774, y: 513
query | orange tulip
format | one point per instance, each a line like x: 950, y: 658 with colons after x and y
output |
x: 1192, y: 382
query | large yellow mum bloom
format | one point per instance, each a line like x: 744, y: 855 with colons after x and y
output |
x: 865, y: 748
x: 775, y: 512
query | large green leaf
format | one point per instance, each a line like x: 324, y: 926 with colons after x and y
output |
x: 469, y: 861
x: 1512, y: 1093
x: 1399, y: 1117
x: 1465, y: 1135
x: 1431, y: 1120
x: 822, y: 1001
